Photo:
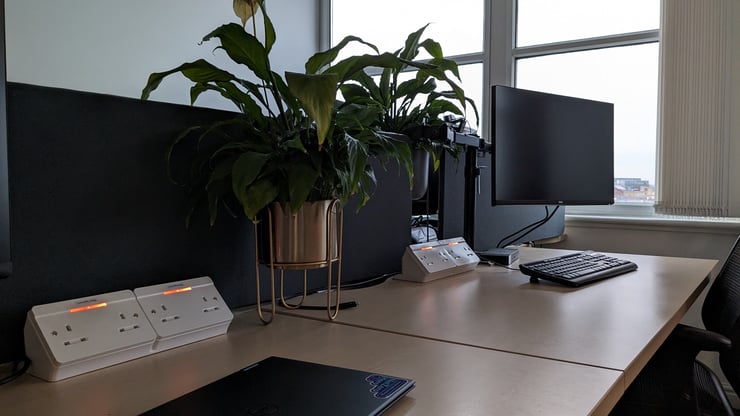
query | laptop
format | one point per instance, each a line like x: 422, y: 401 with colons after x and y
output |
x: 279, y: 386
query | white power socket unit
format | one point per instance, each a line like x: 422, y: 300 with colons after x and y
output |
x: 184, y: 312
x: 72, y: 337
x: 64, y: 339
x: 424, y: 262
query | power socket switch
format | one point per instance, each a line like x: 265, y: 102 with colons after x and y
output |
x: 425, y: 262
x: 64, y: 339
x: 184, y: 312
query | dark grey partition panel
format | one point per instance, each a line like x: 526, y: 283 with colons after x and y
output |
x: 5, y: 254
x: 93, y: 210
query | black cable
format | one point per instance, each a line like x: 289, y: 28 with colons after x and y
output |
x: 523, y: 229
x: 529, y: 228
x: 544, y: 221
x: 342, y: 306
x: 364, y: 283
x: 355, y: 285
x: 19, y: 368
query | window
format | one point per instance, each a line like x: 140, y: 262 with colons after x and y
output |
x: 606, y: 51
x: 460, y: 32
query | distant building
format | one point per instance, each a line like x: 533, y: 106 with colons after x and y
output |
x: 633, y: 190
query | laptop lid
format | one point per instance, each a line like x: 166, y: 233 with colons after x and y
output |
x: 281, y: 386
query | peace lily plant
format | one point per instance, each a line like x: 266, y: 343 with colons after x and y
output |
x: 292, y: 140
x: 406, y: 105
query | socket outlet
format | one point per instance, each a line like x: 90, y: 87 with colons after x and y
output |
x: 67, y: 338
x: 184, y: 312
x: 424, y: 262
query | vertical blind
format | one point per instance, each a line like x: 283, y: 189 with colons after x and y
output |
x: 694, y: 120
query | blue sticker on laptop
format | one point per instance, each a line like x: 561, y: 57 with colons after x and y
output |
x: 384, y: 386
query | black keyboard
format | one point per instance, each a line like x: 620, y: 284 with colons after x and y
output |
x: 577, y: 269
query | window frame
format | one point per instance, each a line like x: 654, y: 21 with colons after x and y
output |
x: 499, y: 57
x: 619, y: 209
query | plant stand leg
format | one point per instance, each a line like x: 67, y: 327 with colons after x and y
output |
x: 303, y: 297
x: 333, y: 313
x: 257, y: 277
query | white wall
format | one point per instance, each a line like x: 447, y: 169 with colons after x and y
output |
x: 111, y: 47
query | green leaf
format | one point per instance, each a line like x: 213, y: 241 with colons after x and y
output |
x: 357, y: 157
x: 357, y: 117
x: 215, y: 193
x: 317, y: 93
x: 433, y: 48
x: 221, y: 171
x: 446, y: 65
x: 414, y: 86
x: 198, y: 71
x: 321, y: 59
x: 354, y: 92
x: 243, y: 102
x: 242, y: 48
x: 411, y: 47
x: 296, y: 143
x: 348, y: 67
x: 245, y: 170
x: 270, y: 35
x: 301, y: 179
x: 369, y: 84
x: 171, y: 148
x: 261, y: 194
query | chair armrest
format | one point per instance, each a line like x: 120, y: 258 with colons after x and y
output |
x: 699, y: 339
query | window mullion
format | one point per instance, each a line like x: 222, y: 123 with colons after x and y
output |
x: 624, y: 39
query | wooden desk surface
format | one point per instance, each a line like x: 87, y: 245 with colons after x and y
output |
x: 617, y: 323
x: 451, y: 379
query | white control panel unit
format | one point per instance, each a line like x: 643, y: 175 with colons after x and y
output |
x: 184, y: 312
x: 67, y: 338
x: 64, y: 339
x: 424, y: 262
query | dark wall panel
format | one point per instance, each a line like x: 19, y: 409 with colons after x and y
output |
x: 93, y: 211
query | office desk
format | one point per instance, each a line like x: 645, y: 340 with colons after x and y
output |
x: 616, y: 323
x: 451, y: 379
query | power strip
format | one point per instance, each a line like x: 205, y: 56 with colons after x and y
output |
x: 184, y: 312
x: 425, y: 262
x: 68, y: 338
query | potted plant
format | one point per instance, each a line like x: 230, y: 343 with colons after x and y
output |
x: 291, y: 148
x: 292, y: 142
x: 415, y: 107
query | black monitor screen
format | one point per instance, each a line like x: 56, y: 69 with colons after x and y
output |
x: 551, y: 149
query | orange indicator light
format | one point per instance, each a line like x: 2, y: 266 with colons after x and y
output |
x: 179, y: 290
x: 453, y: 243
x: 89, y: 307
x: 425, y: 248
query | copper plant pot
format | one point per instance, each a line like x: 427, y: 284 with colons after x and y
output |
x: 301, y: 239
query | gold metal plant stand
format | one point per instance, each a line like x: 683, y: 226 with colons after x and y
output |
x: 332, y: 240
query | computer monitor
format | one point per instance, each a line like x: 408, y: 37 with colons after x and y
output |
x: 549, y: 149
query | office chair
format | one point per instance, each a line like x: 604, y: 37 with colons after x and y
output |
x: 674, y: 382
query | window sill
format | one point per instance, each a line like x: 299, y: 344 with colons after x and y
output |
x: 655, y: 222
